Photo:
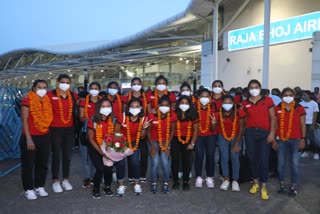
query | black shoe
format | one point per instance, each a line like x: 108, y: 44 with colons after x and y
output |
x: 108, y: 191
x: 282, y: 189
x: 186, y: 186
x: 292, y: 192
x: 165, y: 188
x: 176, y: 185
x: 154, y: 188
x: 96, y: 193
x: 86, y: 183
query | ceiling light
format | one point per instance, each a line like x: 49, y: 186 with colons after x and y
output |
x: 50, y: 73
x: 181, y: 59
x: 101, y: 71
x: 68, y: 70
x: 24, y: 77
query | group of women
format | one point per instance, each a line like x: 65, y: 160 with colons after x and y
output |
x: 159, y: 127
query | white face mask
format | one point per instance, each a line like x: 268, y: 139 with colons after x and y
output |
x: 106, y: 111
x: 287, y: 99
x: 164, y: 109
x: 94, y: 92
x: 254, y: 92
x: 64, y: 86
x: 184, y: 107
x: 204, y: 100
x: 161, y: 87
x: 186, y: 93
x: 227, y: 107
x: 112, y: 91
x: 134, y: 111
x: 217, y: 90
x: 136, y: 87
x: 41, y: 92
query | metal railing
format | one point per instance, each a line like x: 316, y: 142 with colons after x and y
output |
x: 10, y: 123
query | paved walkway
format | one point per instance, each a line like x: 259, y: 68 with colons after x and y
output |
x: 198, y: 201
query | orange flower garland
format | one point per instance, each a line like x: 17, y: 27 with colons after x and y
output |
x: 129, y: 134
x: 188, y: 137
x: 99, y: 134
x: 163, y: 148
x: 206, y: 129
x: 85, y: 113
x: 290, y: 124
x: 119, y: 101
x: 69, y: 117
x: 144, y: 102
x: 156, y: 97
x: 41, y: 113
x: 234, y: 125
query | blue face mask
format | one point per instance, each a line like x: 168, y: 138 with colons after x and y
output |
x: 112, y: 91
x: 232, y: 94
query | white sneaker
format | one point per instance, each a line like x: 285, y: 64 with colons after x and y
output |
x: 30, y: 195
x: 225, y: 185
x: 66, y: 185
x: 41, y: 192
x: 121, y: 191
x: 210, y: 182
x: 57, y: 187
x: 316, y: 156
x: 137, y: 189
x: 235, y: 186
x: 304, y: 154
x: 199, y: 182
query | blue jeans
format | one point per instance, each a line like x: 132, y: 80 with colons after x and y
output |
x: 165, y: 163
x: 134, y: 165
x: 225, y: 151
x: 88, y: 168
x: 258, y: 153
x: 289, y: 149
x: 205, y: 146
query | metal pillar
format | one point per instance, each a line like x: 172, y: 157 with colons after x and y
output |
x: 214, y: 75
x: 143, y: 73
x: 266, y: 44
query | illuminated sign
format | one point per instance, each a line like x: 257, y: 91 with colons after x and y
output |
x: 287, y: 30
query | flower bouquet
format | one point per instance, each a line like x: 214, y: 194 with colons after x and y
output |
x: 115, y: 147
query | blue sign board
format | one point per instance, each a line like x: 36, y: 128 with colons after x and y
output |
x: 287, y: 30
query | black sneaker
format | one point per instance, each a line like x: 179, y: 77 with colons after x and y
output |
x: 282, y: 189
x: 154, y: 188
x: 86, y: 183
x: 96, y: 193
x: 186, y: 186
x: 108, y: 191
x: 165, y: 188
x: 176, y: 185
x: 292, y: 192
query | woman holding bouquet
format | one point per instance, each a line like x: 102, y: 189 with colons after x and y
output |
x: 186, y: 134
x: 160, y: 135
x: 133, y: 125
x: 230, y: 131
x: 100, y: 125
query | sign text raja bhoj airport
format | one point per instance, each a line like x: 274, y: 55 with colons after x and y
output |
x: 287, y: 30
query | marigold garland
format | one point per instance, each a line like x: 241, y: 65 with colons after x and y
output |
x: 234, y: 125
x: 163, y: 148
x: 188, y: 137
x: 290, y: 124
x: 41, y: 111
x: 69, y: 117
x: 129, y: 134
x: 144, y: 102
x: 156, y: 97
x: 119, y: 101
x: 99, y: 127
x: 85, y: 113
x: 207, y: 122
